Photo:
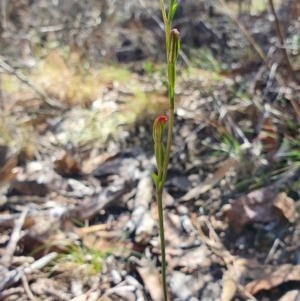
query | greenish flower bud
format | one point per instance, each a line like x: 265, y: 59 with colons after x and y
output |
x: 158, y: 128
x: 174, y: 46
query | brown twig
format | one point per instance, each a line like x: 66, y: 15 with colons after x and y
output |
x: 251, y: 40
x: 27, y: 289
x: 11, y: 291
x: 291, y: 72
x: 14, y: 238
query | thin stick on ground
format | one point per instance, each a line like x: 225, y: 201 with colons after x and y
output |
x: 14, y: 276
x: 27, y: 289
x: 11, y: 291
x: 291, y: 72
x: 14, y: 238
x: 251, y: 40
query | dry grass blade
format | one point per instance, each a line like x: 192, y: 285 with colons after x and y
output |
x: 209, y: 182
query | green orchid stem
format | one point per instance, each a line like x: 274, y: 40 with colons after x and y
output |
x: 171, y: 78
x: 168, y: 147
x: 172, y: 49
x: 159, y: 194
x: 162, y: 243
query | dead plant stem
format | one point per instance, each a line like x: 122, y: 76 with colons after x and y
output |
x: 281, y: 41
x: 251, y: 40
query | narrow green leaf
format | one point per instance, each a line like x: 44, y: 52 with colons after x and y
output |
x: 155, y: 179
x: 172, y: 12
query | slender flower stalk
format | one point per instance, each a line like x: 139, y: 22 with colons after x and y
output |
x: 161, y: 154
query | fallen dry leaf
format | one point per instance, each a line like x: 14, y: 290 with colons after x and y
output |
x: 281, y: 274
x: 260, y: 206
x: 229, y: 285
x: 265, y: 277
x: 293, y: 295
x: 193, y: 259
x: 124, y: 167
x: 173, y: 229
x: 67, y: 165
x: 255, y: 206
x: 151, y: 279
x: 250, y: 268
x: 286, y: 205
x: 186, y: 287
x: 36, y: 179
x: 48, y: 285
x: 89, y: 164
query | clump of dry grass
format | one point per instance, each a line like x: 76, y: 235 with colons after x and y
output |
x: 70, y: 82
x: 99, y: 100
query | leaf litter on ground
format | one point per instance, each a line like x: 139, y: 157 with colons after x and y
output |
x: 100, y: 199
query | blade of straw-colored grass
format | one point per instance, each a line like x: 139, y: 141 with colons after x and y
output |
x: 209, y: 182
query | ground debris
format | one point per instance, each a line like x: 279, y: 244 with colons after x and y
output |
x: 80, y: 85
x: 260, y: 206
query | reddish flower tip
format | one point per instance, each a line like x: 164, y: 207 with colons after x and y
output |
x: 158, y: 127
x: 162, y: 119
